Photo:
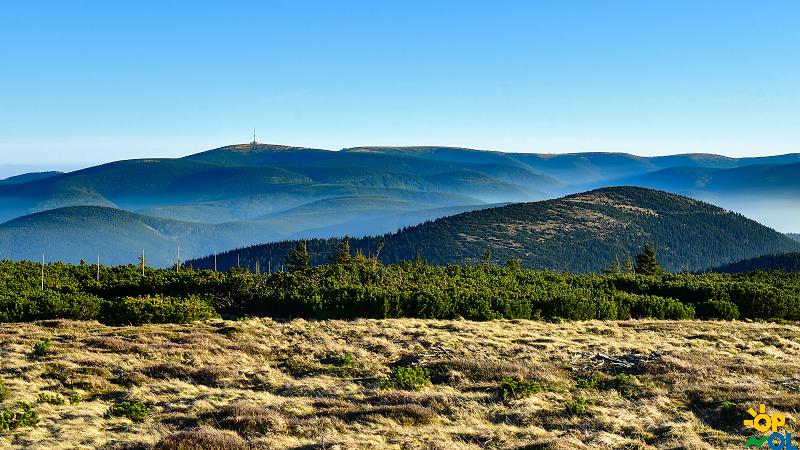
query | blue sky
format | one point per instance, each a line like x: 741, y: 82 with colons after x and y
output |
x: 86, y: 82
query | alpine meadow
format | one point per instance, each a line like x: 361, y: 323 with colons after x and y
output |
x: 353, y: 225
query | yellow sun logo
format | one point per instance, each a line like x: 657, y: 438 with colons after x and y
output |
x: 762, y: 421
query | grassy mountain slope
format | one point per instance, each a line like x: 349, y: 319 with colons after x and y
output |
x: 684, y: 378
x: 578, y: 233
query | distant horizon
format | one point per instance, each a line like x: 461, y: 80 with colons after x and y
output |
x: 13, y: 167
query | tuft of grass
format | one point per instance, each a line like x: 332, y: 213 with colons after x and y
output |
x: 513, y: 388
x: 202, y: 439
x: 410, y: 378
x: 17, y: 416
x: 135, y: 411
x: 578, y: 407
x: 51, y: 399
x: 480, y: 369
x: 42, y: 348
x: 249, y: 419
x: 129, y: 379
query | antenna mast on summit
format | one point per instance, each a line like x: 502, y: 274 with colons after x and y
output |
x: 254, y: 136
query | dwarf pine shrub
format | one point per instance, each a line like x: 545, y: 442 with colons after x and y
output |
x: 135, y: 411
x: 410, y: 378
x: 157, y: 309
x: 513, y: 388
x: 17, y: 416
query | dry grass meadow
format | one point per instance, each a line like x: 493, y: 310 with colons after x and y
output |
x: 265, y: 384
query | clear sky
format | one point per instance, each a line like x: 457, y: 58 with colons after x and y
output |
x: 98, y: 81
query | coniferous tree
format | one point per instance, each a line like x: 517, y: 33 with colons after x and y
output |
x: 418, y: 261
x: 627, y: 266
x: 342, y: 254
x: 298, y: 258
x: 614, y: 268
x: 514, y: 264
x: 647, y: 263
x: 486, y: 258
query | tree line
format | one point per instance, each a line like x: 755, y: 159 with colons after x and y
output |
x: 353, y: 285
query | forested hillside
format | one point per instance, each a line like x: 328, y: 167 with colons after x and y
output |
x: 788, y: 262
x: 577, y: 233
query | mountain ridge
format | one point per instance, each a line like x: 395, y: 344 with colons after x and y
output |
x: 270, y: 184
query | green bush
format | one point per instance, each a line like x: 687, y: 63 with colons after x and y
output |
x: 578, y: 407
x: 589, y: 382
x: 157, y: 309
x: 28, y: 306
x: 515, y: 388
x: 408, y: 378
x: 342, y: 360
x: 638, y: 306
x: 625, y: 384
x: 717, y: 309
x: 42, y: 348
x: 53, y: 399
x: 135, y: 411
x: 17, y: 416
x: 74, y: 398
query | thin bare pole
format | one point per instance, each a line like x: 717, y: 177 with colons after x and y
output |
x: 178, y: 262
x: 98, y: 267
x: 42, y: 271
x: 142, y: 262
x: 215, y: 262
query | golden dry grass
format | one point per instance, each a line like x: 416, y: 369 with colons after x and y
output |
x: 316, y: 385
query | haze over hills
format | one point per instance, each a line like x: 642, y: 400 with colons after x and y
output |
x: 272, y: 192
x: 578, y: 233
x: 76, y: 233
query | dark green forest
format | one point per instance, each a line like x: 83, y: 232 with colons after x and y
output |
x: 789, y: 262
x: 356, y: 286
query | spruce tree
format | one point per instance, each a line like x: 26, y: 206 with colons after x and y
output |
x: 627, y: 266
x: 298, y: 258
x: 647, y: 263
x: 418, y: 261
x: 486, y: 258
x: 342, y: 254
x: 614, y: 266
x: 514, y: 264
